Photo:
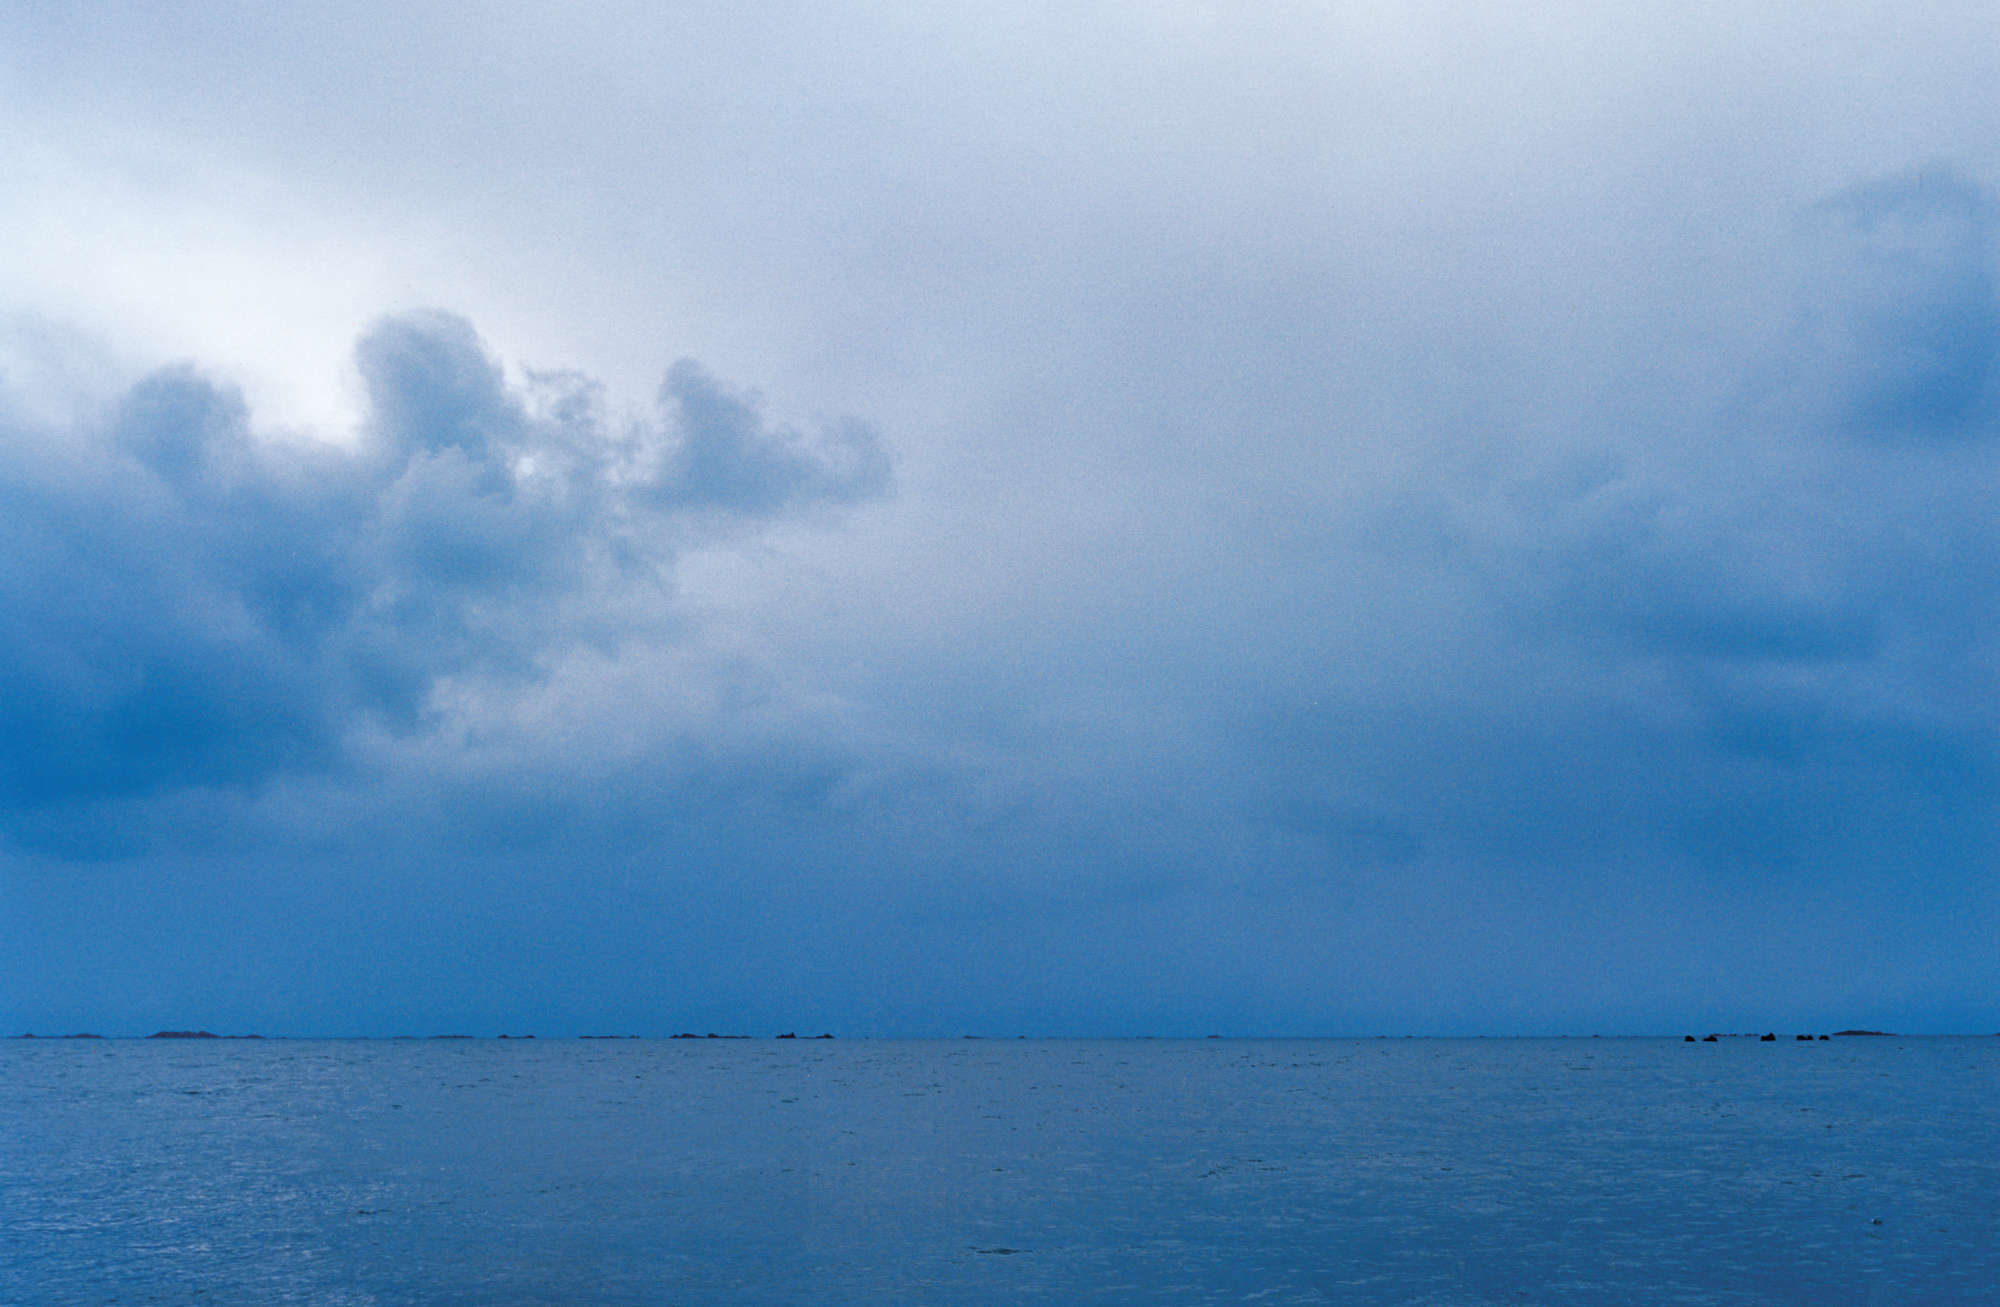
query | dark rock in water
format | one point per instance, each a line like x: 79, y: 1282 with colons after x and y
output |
x: 183, y: 1034
x: 822, y: 1036
x: 1767, y: 1039
x: 1806, y: 1038
x: 685, y: 1035
x: 1687, y: 1039
x: 1822, y: 1036
x: 789, y: 1034
x: 1861, y: 1032
x: 1711, y: 1039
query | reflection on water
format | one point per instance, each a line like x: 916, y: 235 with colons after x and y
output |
x: 657, y: 1172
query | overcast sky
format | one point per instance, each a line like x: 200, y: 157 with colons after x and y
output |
x: 1046, y: 518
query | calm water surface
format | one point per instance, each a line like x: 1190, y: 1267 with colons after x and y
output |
x: 662, y: 1172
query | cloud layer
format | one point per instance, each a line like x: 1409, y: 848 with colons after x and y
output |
x: 1403, y: 519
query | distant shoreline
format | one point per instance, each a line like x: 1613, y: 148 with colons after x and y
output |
x: 1713, y: 1037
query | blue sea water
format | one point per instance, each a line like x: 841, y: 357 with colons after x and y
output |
x: 694, y: 1172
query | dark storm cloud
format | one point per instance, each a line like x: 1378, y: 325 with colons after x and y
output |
x: 185, y: 605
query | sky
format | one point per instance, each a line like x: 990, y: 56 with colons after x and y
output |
x: 1055, y: 519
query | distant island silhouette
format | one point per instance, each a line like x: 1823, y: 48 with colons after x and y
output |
x: 1711, y: 1038
x: 32, y: 1035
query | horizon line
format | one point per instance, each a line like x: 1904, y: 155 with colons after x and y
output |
x: 201, y: 1035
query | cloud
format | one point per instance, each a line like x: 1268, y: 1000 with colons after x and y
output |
x: 1749, y: 638
x: 185, y: 603
x: 1755, y: 533
x: 723, y: 457
x: 1899, y: 335
x: 1688, y: 599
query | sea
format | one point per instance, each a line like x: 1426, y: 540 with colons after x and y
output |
x: 673, y: 1171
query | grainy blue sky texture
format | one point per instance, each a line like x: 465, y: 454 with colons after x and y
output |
x: 1064, y: 519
